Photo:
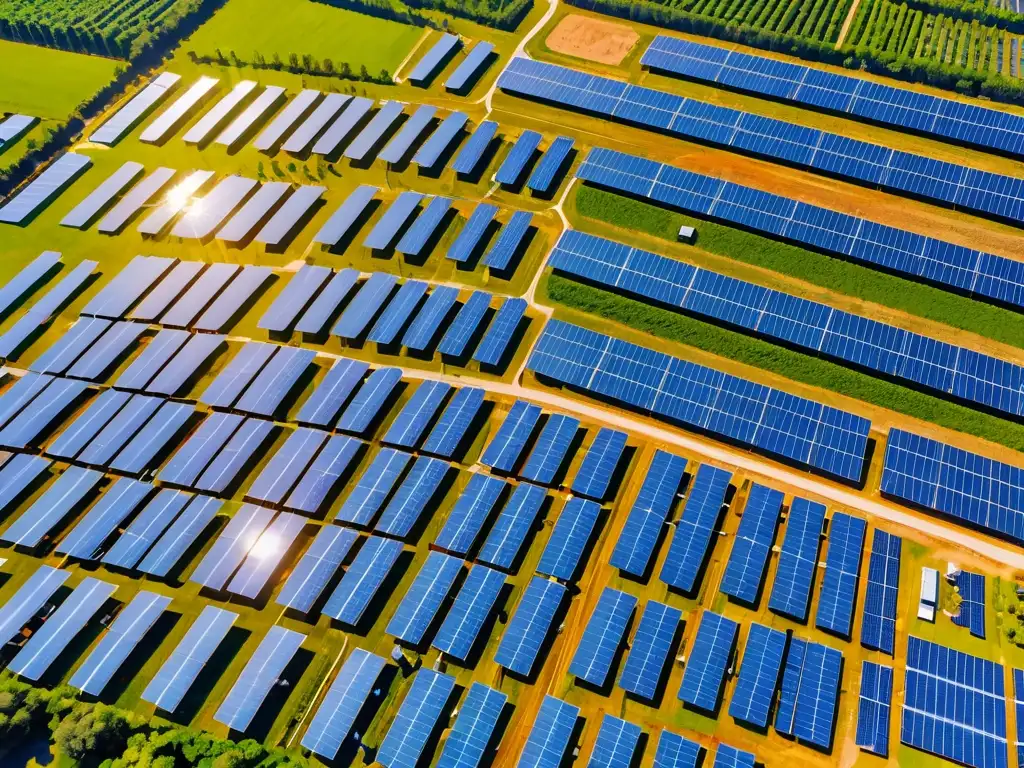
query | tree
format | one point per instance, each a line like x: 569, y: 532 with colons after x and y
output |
x: 97, y: 731
x: 364, y: 73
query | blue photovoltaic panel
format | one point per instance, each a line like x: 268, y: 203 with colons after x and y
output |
x: 727, y: 756
x: 402, y: 142
x: 100, y: 198
x: 593, y: 478
x: 30, y: 426
x: 427, y: 324
x: 134, y: 200
x: 505, y: 448
x: 466, y: 72
x: 182, y: 368
x: 280, y: 474
x: 314, y: 320
x: 76, y: 436
x: 342, y: 127
x: 317, y: 567
x: 972, y: 602
x: 423, y: 600
x: 258, y: 677
x: 411, y: 499
x: 23, y: 391
x: 465, y: 325
x: 239, y: 128
x: 798, y: 560
x: 233, y: 299
x: 189, y: 461
x: 57, y: 632
x: 416, y: 719
x: 220, y: 113
x: 332, y: 393
x: 873, y: 708
x: 759, y: 675
x: 122, y: 121
x: 118, y: 296
x: 290, y: 303
x: 529, y: 626
x: 616, y: 744
x: 30, y: 597
x: 317, y: 484
x: 513, y: 525
x: 200, y: 293
x: 549, y: 737
x: 431, y: 60
x: 235, y: 456
x: 112, y: 439
x: 569, y: 538
x: 511, y: 170
x: 649, y: 650
x: 362, y: 579
x: 450, y: 430
x: 472, y: 153
x: 312, y: 125
x: 146, y: 528
x: 373, y: 487
x: 842, y: 574
x: 367, y: 302
x: 755, y: 536
x: 499, y: 257
x: 223, y: 391
x: 602, y: 637
x: 676, y: 752
x: 370, y: 135
x: 469, y: 612
x: 17, y: 475
x: 705, y: 666
x: 148, y: 444
x: 56, y: 503
x: 122, y: 498
x: 384, y: 232
x: 295, y: 111
x: 810, y: 685
x: 179, y: 671
x: 550, y: 164
x: 551, y: 448
x: 397, y: 313
x: 343, y: 219
x: 366, y: 404
x: 410, y: 424
x: 72, y: 345
x: 180, y: 536
x: 176, y: 281
x: 27, y: 280
x: 287, y: 218
x: 255, y: 209
x: 117, y: 643
x: 691, y: 539
x: 201, y: 219
x: 467, y: 742
x: 269, y: 390
x: 469, y: 238
x: 878, y: 630
x: 471, y: 510
x: 231, y: 547
x: 105, y: 353
x: 417, y: 237
x: 335, y: 717
x: 428, y: 155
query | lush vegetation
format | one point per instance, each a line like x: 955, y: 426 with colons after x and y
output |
x: 791, y: 364
x: 503, y: 14
x: 306, y: 65
x: 834, y: 274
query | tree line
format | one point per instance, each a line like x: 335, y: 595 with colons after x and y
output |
x: 295, y: 64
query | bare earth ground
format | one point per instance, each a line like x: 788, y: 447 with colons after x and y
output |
x: 602, y: 41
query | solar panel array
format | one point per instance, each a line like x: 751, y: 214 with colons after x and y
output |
x: 469, y: 613
x: 425, y: 68
x: 512, y: 168
x: 810, y: 688
x: 971, y: 587
x: 727, y: 756
x: 30, y: 597
x: 748, y: 560
x: 529, y: 626
x: 549, y: 737
x: 676, y: 752
x: 603, y: 637
x: 419, y: 607
x: 467, y: 742
x: 467, y: 73
x: 616, y: 743
x: 42, y: 190
x: 467, y: 162
x: 798, y: 560
x: 650, y: 648
x: 842, y: 573
x: 362, y: 579
x: 337, y: 713
x: 594, y: 477
x: 759, y: 675
x: 416, y: 719
x: 691, y: 539
x: 878, y: 630
x: 125, y: 118
x: 873, y: 708
x: 706, y: 663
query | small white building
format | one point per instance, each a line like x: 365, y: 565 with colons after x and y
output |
x: 929, y: 594
x: 687, y: 234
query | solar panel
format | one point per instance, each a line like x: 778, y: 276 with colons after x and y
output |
x: 468, y: 159
x: 175, y: 115
x: 184, y: 366
x: 71, y: 346
x: 57, y: 632
x: 464, y: 327
x: 234, y: 543
x: 397, y: 313
x: 546, y: 172
x: 759, y: 675
x: 417, y: 719
x: 173, y: 284
x: 106, y: 352
x: 183, y: 666
x: 504, y: 450
x: 691, y: 539
x: 240, y: 127
x: 645, y: 666
x: 17, y: 474
x: 469, y: 612
x: 569, y: 539
x: 296, y: 296
x: 177, y: 198
x: 467, y: 72
x: 602, y: 637
x: 362, y: 579
x: 330, y: 396
x: 467, y: 741
x: 16, y: 338
x: 336, y: 715
x: 317, y: 484
x: 27, y: 280
x: 842, y: 573
x: 419, y: 607
x: 369, y: 399
x: 727, y: 756
x: 44, y: 188
x: 235, y: 456
x: 316, y: 568
x: 101, y: 449
x: 255, y: 209
x: 469, y: 239
x: 414, y: 418
x: 265, y: 555
x: 676, y: 752
x: 311, y: 127
x: 499, y: 257
x: 429, y: 63
x: 798, y: 559
x: 374, y: 487
x: 23, y: 391
x: 180, y: 536
x: 873, y: 708
x: 450, y: 430
x: 233, y: 300
x: 101, y: 198
x: 136, y: 198
x: 258, y: 677
x: 287, y: 218
x: 420, y: 234
x: 426, y: 326
x: 225, y: 390
x: 287, y: 464
x: 342, y: 127
x: 430, y: 152
x: 616, y: 743
x: 705, y: 666
x: 594, y: 476
x: 270, y: 389
x: 30, y: 597
x: 1018, y: 707
x: 118, y: 296
x: 31, y: 426
x: 398, y: 148
x: 122, y: 498
x: 371, y: 135
x: 363, y: 308
x: 190, y: 305
x: 550, y: 450
x: 971, y: 587
x: 58, y: 501
x: 412, y: 497
x: 810, y: 687
x: 549, y: 737
x: 385, y: 231
x: 513, y: 525
x: 220, y: 113
x: 470, y: 513
x: 315, y: 319
x: 511, y: 170
x: 146, y: 528
x: 148, y: 444
x: 117, y: 643
x: 83, y: 429
x: 295, y: 111
x: 189, y: 461
x: 13, y: 126
x: 755, y: 536
x: 342, y: 220
x: 878, y: 630
x: 128, y: 116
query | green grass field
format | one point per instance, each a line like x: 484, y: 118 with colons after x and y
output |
x: 317, y: 29
x: 48, y: 83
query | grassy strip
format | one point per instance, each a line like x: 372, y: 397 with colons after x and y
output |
x: 782, y: 361
x: 835, y: 274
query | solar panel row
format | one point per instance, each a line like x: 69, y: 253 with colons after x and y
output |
x: 748, y: 560
x: 878, y: 629
x: 842, y: 573
x: 362, y: 579
x: 873, y: 708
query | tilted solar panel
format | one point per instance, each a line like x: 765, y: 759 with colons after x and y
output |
x: 367, y: 303
x: 330, y: 396
x: 365, y: 407
x: 873, y: 708
x: 362, y: 579
x: 426, y: 326
x: 236, y: 376
x: 467, y: 742
x: 318, y: 565
x: 549, y: 737
x: 616, y: 743
x: 124, y: 119
x: 204, y: 128
x: 419, y: 607
x: 432, y: 59
x: 296, y: 296
x: 470, y: 238
x: 265, y: 555
x: 470, y: 513
x: 371, y: 135
x: 423, y: 230
x: 180, y: 536
x: 336, y: 715
x: 570, y: 536
x: 184, y: 365
x: 759, y: 675
x: 727, y: 756
x: 798, y: 560
x: 375, y: 485
x: 842, y: 574
x: 58, y: 501
x: 343, y: 126
x: 529, y: 626
x: 397, y: 313
x: 463, y: 329
x: 253, y: 114
x: 343, y: 219
x: 469, y: 612
x: 231, y: 547
x: 103, y: 196
x: 594, y: 477
x: 511, y: 170
x: 191, y: 459
x: 266, y: 393
x: 546, y: 172
x: 235, y: 456
x: 408, y: 427
x: 466, y: 73
x: 878, y: 629
x: 27, y: 280
x: 253, y: 211
x: 450, y: 430
x: 551, y: 449
x: 30, y: 597
x: 308, y: 130
x: 645, y: 666
x: 676, y: 752
x: 287, y: 464
x: 505, y: 448
x: 745, y: 571
x: 507, y: 246
x: 413, y: 496
x: 467, y: 161
x: 233, y: 300
x: 146, y: 528
x: 509, y: 532
x: 971, y: 587
x: 603, y: 636
x: 128, y: 286
x: 286, y: 220
x: 706, y: 663
x: 398, y: 148
x: 133, y: 202
x: 407, y: 738
x: 430, y: 152
x: 201, y: 219
x: 295, y: 111
x: 122, y: 498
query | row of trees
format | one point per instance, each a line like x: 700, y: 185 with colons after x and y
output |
x: 502, y: 14
x: 304, y: 65
x: 971, y: 10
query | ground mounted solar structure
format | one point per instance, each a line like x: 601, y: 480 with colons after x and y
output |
x: 727, y: 756
x: 745, y: 571
x: 551, y: 448
x: 285, y: 221
x: 17, y: 474
x: 27, y: 280
x: 505, y: 448
x: 287, y: 464
x: 676, y: 752
x: 603, y: 637
x: 437, y: 144
x: 427, y: 66
x: 319, y: 480
x: 705, y: 666
x: 295, y: 297
x: 339, y: 130
x: 222, y: 473
x: 240, y: 127
x: 136, y: 198
x: 122, y: 121
x: 873, y: 708
x: 418, y: 608
x: 180, y: 536
x: 511, y: 170
x: 366, y: 404
x: 842, y: 574
x: 616, y: 743
x: 529, y: 626
x: 122, y: 498
x: 234, y: 543
x: 270, y: 389
x: 103, y: 196
x: 370, y: 136
x: 295, y: 111
x: 241, y: 225
x: 570, y: 537
x: 63, y: 496
x: 691, y: 539
x: 466, y: 74
x: 645, y: 665
x: 954, y: 705
x: 1018, y: 709
x: 423, y: 230
x: 546, y: 172
x: 374, y: 487
x: 451, y: 428
x: 794, y: 577
x: 972, y: 602
x: 343, y: 219
x: 118, y: 296
x: 204, y: 128
x: 799, y: 430
x: 145, y: 528
x: 174, y: 202
x: 419, y: 715
x: 974, y: 489
x: 426, y: 326
x: 759, y: 675
x: 30, y: 597
x: 594, y: 477
x: 508, y: 534
x: 396, y: 314
x: 469, y: 612
x: 878, y: 630
x: 328, y: 399
x: 336, y: 715
x: 362, y: 579
x: 470, y: 513
x: 29, y: 427
x: 468, y: 240
x: 266, y: 555
x: 549, y: 737
x: 398, y: 148
x: 467, y: 162
x: 411, y: 499
x: 318, y: 565
x: 456, y: 340
x: 385, y: 231
x: 14, y: 126
x: 372, y: 295
x: 308, y: 130
x: 810, y: 689
x: 467, y: 742
x: 500, y: 257
x: 44, y: 188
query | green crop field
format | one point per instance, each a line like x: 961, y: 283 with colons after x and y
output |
x: 47, y: 83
